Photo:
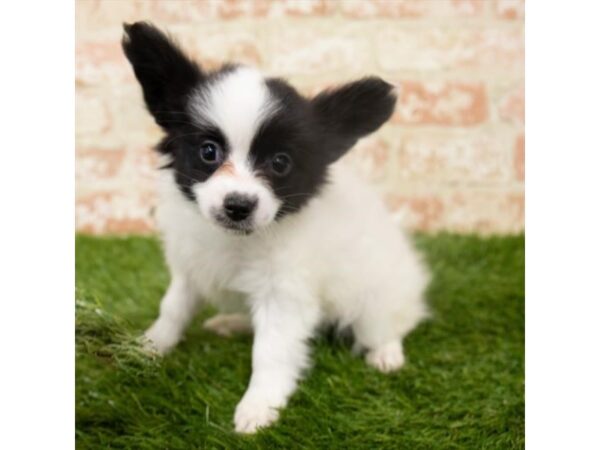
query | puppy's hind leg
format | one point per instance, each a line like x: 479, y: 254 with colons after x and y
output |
x: 233, y: 317
x: 381, y: 334
x: 177, y: 309
x: 375, y: 333
x: 387, y: 357
x: 227, y: 325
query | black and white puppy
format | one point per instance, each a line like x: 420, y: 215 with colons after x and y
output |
x: 258, y: 219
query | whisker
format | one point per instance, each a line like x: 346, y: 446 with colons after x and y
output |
x: 184, y: 122
x: 300, y: 194
x: 186, y: 175
x: 194, y: 124
x: 169, y: 141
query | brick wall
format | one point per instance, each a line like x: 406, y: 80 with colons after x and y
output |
x: 452, y: 157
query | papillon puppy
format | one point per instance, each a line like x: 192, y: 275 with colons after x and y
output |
x: 259, y: 219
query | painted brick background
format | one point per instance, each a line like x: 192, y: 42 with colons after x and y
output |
x: 452, y: 157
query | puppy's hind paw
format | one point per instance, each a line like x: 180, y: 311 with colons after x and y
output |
x: 387, y: 358
x: 228, y: 324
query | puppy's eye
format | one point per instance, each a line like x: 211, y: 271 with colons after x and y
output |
x: 211, y: 153
x: 281, y: 164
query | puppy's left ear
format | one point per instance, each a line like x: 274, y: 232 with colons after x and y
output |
x: 352, y: 111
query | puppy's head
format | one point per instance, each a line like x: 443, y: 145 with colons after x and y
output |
x: 247, y: 149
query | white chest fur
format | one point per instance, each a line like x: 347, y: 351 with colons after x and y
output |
x: 339, y: 259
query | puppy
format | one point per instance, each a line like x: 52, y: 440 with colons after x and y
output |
x: 259, y: 219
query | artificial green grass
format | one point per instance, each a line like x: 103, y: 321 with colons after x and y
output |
x: 462, y: 386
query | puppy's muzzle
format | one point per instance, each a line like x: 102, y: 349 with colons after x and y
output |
x: 238, y: 207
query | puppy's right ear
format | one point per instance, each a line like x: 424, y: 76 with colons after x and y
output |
x: 166, y: 74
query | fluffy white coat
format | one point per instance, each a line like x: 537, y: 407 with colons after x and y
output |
x: 340, y: 259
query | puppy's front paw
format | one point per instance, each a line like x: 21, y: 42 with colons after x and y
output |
x: 161, y: 337
x: 252, y: 414
x: 387, y: 358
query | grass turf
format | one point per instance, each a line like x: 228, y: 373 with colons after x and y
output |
x: 462, y: 385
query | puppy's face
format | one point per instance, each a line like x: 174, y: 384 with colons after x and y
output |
x: 247, y: 149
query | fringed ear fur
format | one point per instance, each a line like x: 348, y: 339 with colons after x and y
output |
x: 165, y: 73
x: 352, y: 111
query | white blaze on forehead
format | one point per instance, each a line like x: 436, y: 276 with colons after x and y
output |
x: 237, y: 103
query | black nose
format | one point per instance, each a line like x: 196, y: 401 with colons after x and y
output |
x: 238, y: 207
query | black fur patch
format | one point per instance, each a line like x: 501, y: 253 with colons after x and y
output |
x: 168, y: 77
x: 312, y: 132
x: 351, y: 111
x: 184, y: 147
x: 315, y: 133
x: 165, y: 73
x: 291, y: 131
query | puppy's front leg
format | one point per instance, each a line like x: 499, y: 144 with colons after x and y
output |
x: 176, y: 310
x: 282, y: 325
